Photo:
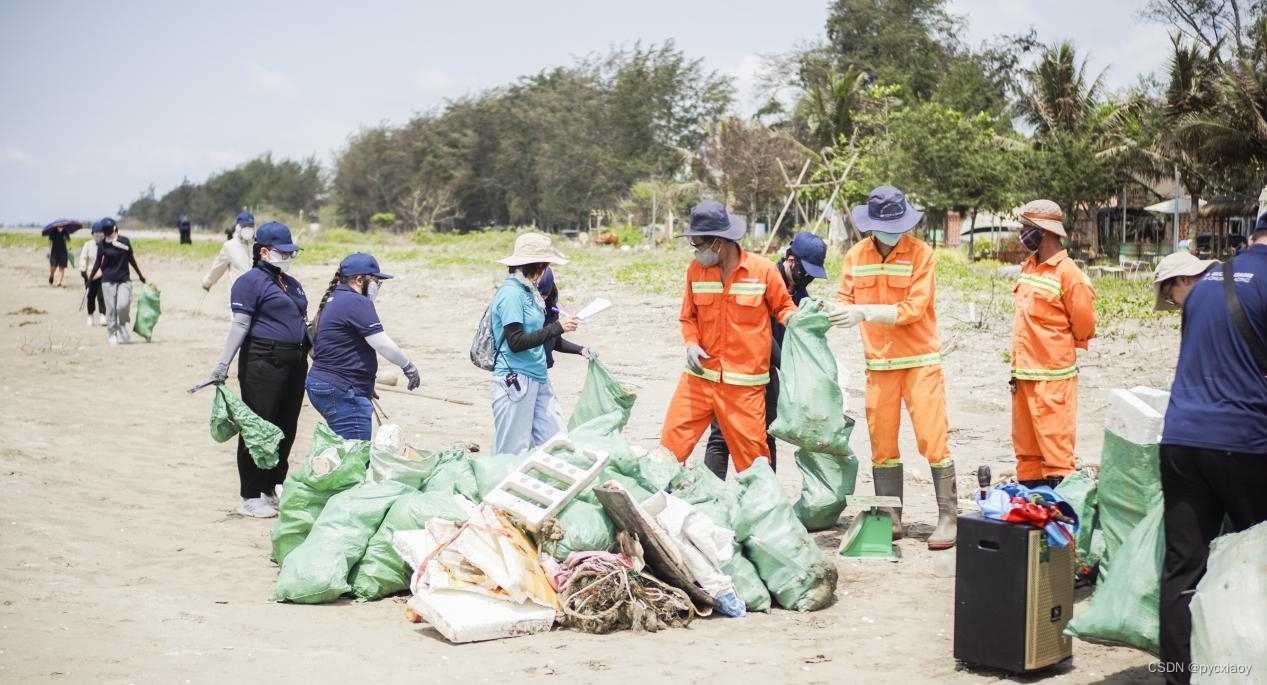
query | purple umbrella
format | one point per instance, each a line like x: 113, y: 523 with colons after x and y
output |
x: 70, y: 226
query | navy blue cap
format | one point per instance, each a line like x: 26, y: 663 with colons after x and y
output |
x: 710, y: 219
x: 276, y: 235
x: 811, y: 251
x: 102, y: 225
x: 246, y: 219
x: 1262, y: 224
x: 361, y: 264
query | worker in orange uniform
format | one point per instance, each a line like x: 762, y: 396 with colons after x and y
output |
x: 887, y: 285
x: 730, y: 297
x: 1055, y: 316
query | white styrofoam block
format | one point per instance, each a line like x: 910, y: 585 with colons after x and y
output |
x: 1133, y: 419
x: 469, y: 617
x: 1157, y: 399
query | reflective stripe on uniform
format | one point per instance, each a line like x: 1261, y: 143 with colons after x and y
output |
x: 732, y: 378
x: 1051, y: 285
x: 747, y: 288
x: 707, y: 287
x: 882, y: 269
x: 904, y: 362
x: 1045, y: 374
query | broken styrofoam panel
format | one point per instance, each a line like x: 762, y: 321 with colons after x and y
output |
x: 468, y: 617
x: 1133, y: 419
x: 1157, y: 399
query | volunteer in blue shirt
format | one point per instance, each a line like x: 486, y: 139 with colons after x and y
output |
x: 270, y: 312
x: 349, y: 336
x: 112, y: 267
x: 801, y: 264
x: 1214, y: 440
x: 524, y: 410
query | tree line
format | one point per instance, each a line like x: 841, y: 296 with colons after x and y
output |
x: 890, y: 94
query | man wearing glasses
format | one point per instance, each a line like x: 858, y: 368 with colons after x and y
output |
x: 731, y: 296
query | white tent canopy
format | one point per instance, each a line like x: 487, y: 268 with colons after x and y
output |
x: 988, y: 223
x: 1168, y: 206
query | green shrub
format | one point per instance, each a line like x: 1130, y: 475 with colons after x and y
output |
x: 383, y: 219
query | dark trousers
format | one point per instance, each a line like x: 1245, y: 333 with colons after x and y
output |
x: 1200, y: 487
x: 185, y: 239
x: 96, y: 300
x: 717, y: 452
x: 272, y: 380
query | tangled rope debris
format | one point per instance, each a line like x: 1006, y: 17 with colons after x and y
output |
x: 604, y: 595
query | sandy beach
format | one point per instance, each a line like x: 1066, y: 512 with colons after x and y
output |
x: 121, y: 560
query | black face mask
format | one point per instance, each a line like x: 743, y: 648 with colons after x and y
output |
x: 799, y: 277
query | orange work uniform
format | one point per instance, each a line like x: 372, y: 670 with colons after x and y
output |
x: 903, y: 360
x: 1055, y: 314
x: 731, y: 322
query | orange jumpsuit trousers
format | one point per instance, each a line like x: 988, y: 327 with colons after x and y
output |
x: 1044, y: 425
x: 923, y: 390
x: 739, y: 409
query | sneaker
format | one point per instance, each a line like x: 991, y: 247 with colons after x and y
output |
x: 257, y: 507
x: 101, y: 319
x: 50, y: 279
x: 112, y: 340
x: 90, y: 319
x: 274, y: 499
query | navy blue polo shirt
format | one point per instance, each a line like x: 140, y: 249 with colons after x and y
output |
x: 1218, y: 400
x: 274, y: 301
x: 114, y: 260
x: 341, y: 357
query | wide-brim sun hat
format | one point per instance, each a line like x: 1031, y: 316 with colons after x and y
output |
x: 533, y: 248
x: 811, y: 252
x: 709, y: 219
x: 1043, y: 214
x: 276, y: 235
x: 361, y: 264
x: 1181, y: 263
x: 886, y: 211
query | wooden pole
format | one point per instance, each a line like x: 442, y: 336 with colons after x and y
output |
x: 792, y: 187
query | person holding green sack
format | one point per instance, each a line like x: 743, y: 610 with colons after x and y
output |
x: 341, y: 380
x: 269, y: 327
x: 113, y: 265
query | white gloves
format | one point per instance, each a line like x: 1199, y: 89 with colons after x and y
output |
x: 694, y: 354
x: 589, y: 352
x: 847, y: 315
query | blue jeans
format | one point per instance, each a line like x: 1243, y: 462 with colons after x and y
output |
x: 348, y: 414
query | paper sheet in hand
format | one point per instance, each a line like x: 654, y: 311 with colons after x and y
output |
x: 598, y: 305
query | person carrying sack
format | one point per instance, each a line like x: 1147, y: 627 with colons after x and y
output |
x: 270, y: 329
x: 888, y: 286
x: 115, y: 259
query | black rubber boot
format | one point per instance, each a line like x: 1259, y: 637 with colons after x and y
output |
x: 888, y: 483
x: 1032, y: 483
x: 1053, y: 481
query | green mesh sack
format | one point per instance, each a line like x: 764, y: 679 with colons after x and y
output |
x: 811, y: 406
x: 334, y: 466
x: 453, y: 474
x: 148, y: 309
x: 1080, y: 491
x: 1129, y: 488
x: 230, y: 416
x: 601, y: 395
x: 1124, y: 608
x: 578, y: 527
x: 490, y: 471
x: 319, y: 569
x: 381, y: 571
x: 826, y: 482
x: 795, y: 571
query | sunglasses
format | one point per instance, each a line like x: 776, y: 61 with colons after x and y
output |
x: 702, y: 244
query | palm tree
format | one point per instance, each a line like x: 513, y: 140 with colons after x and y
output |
x: 1059, y: 96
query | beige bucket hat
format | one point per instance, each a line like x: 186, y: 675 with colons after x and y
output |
x: 533, y: 248
x: 1043, y: 214
x: 1181, y: 263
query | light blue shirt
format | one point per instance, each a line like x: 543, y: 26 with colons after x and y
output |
x: 513, y: 303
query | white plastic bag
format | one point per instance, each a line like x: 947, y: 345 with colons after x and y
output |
x: 1229, y: 611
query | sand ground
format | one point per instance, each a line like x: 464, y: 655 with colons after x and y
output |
x: 121, y: 560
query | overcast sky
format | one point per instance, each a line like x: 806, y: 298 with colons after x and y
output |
x: 102, y: 99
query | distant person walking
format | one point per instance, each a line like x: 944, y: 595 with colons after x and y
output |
x: 234, y: 257
x: 349, y: 337
x: 115, y: 261
x: 87, y: 258
x: 58, y: 251
x: 183, y: 226
x: 270, y: 312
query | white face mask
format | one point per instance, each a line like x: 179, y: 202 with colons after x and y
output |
x: 371, y: 289
x: 99, y: 237
x: 281, y: 260
x: 709, y: 257
x: 246, y: 234
x: 889, y: 239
